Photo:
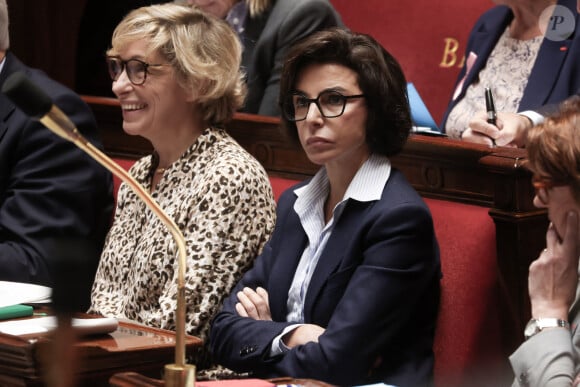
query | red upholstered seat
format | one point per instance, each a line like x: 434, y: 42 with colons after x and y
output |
x: 280, y: 184
x: 126, y: 164
x: 468, y: 343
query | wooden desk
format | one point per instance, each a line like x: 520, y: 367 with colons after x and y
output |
x: 131, y: 379
x: 131, y: 347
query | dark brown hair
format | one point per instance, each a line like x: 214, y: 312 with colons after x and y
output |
x: 379, y: 77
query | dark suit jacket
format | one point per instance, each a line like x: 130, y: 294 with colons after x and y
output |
x: 266, y: 42
x: 51, y: 192
x: 555, y: 75
x: 375, y: 290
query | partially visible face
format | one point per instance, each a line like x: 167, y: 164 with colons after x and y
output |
x: 219, y: 8
x: 560, y: 202
x: 339, y: 140
x: 159, y: 104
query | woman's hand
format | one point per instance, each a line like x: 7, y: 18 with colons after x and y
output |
x: 510, y: 130
x: 254, y: 304
x: 553, y: 277
x: 303, y: 334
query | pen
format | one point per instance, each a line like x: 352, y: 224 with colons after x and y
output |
x: 490, y: 107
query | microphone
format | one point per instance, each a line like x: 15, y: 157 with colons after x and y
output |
x: 35, y: 103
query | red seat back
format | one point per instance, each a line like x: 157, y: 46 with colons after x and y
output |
x: 126, y: 164
x: 427, y: 37
x: 468, y: 343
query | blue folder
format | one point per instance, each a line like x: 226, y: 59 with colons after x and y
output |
x: 422, y: 119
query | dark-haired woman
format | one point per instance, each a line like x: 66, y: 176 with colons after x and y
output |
x: 347, y: 289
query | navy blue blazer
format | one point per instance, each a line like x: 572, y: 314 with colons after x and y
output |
x: 555, y: 75
x: 50, y: 190
x: 375, y: 290
x: 267, y: 39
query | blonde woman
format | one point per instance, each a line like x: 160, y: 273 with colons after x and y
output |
x: 175, y: 73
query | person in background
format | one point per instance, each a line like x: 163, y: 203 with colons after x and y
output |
x: 51, y: 192
x: 550, y: 354
x: 347, y: 289
x: 528, y: 60
x: 267, y: 28
x: 175, y: 71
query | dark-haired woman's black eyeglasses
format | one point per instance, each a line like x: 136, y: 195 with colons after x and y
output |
x: 136, y: 69
x: 330, y: 103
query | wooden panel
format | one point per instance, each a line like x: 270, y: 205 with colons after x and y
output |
x: 43, y: 34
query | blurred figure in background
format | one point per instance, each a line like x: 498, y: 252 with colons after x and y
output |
x: 51, y: 192
x: 267, y: 28
x: 528, y: 53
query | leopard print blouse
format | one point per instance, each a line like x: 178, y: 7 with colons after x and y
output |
x: 221, y: 199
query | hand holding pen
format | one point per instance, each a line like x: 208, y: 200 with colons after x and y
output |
x: 503, y: 128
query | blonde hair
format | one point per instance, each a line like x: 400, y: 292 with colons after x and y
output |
x: 203, y: 50
x: 4, y: 21
x: 258, y: 7
x: 554, y: 146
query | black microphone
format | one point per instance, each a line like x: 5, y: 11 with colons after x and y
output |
x: 34, y: 102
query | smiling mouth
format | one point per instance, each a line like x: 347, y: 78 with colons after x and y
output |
x: 133, y: 107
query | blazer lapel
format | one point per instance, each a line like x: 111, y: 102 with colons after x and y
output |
x: 545, y: 72
x: 333, y: 255
x: 6, y: 107
x: 6, y: 110
x: 484, y: 41
x: 289, y: 253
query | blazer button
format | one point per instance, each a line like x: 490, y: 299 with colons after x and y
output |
x: 248, y: 349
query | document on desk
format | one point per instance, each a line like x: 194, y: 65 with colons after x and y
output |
x: 13, y: 293
x: 84, y: 326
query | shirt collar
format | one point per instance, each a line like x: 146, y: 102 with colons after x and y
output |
x: 367, y: 185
